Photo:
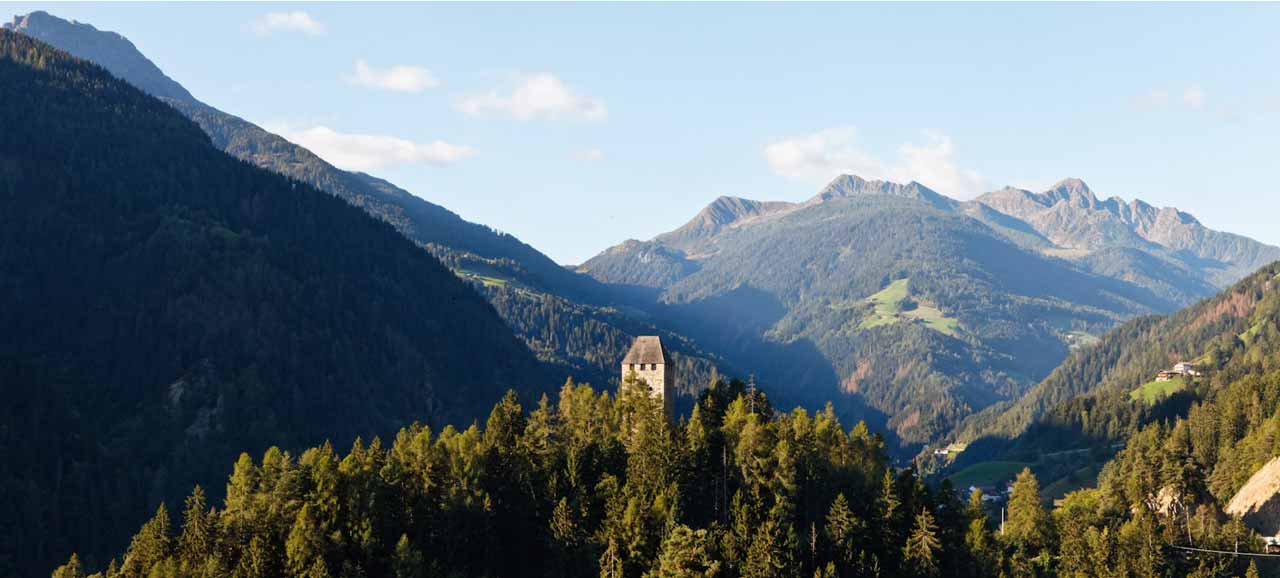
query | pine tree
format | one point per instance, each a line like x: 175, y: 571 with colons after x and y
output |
x: 920, y: 555
x: 841, y: 530
x: 888, y: 503
x: 244, y: 480
x: 149, y: 547
x: 611, y: 561
x: 1028, y: 525
x: 305, y: 548
x: 71, y: 569
x: 889, y: 513
x: 408, y: 561
x: 197, y: 541
x: 977, y: 537
x: 256, y: 561
x: 686, y: 553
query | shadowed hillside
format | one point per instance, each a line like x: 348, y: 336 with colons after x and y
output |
x: 166, y: 306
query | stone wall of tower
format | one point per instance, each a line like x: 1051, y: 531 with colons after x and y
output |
x: 661, y: 378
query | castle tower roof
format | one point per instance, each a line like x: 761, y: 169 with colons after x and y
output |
x: 647, y: 349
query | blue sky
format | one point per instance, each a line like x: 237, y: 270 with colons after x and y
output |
x: 576, y: 126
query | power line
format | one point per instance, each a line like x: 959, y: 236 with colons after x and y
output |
x: 1227, y: 552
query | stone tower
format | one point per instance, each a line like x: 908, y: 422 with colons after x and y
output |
x: 651, y: 362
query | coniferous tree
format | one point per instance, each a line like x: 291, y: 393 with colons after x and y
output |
x: 71, y: 569
x: 151, y: 546
x: 686, y: 553
x: 1028, y: 525
x: 978, y: 539
x: 408, y: 561
x: 841, y: 531
x: 199, y: 532
x: 921, y: 553
x: 305, y: 546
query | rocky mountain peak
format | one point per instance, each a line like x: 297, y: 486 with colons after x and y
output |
x: 107, y: 49
x: 846, y: 186
x: 1074, y: 191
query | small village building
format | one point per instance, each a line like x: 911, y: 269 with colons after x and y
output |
x: 1180, y: 370
x: 989, y: 493
x: 649, y: 361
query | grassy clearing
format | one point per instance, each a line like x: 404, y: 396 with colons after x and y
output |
x: 487, y: 280
x: 892, y: 305
x: 986, y: 473
x: 1086, y: 477
x: 1154, y: 391
x: 1079, y: 339
x: 1247, y: 336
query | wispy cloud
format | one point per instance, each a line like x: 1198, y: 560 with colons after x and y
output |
x: 818, y: 157
x: 398, y: 78
x: 1192, y: 97
x: 535, y: 96
x: 591, y: 155
x: 1154, y: 99
x: 362, y: 152
x: 295, y: 21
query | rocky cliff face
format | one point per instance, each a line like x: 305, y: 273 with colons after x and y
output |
x: 1078, y: 223
x: 1258, y: 502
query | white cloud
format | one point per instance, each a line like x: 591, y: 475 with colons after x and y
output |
x: 1151, y: 100
x: 362, y: 152
x: 399, y: 78
x: 1193, y: 96
x: 592, y: 154
x: 535, y: 96
x: 295, y: 21
x: 817, y: 158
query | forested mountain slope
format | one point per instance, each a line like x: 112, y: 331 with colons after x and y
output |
x: 165, y: 306
x: 1108, y: 394
x: 878, y: 293
x: 534, y: 294
x: 596, y: 485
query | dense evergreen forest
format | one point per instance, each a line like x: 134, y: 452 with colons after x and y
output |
x: 1089, y: 401
x: 601, y: 485
x: 165, y: 306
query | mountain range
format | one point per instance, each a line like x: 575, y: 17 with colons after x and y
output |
x: 924, y: 308
x: 163, y: 303
x: 203, y: 321
x: 698, y: 286
x: 566, y: 318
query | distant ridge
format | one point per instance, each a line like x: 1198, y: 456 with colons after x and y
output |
x: 546, y: 303
x: 845, y: 186
x: 108, y: 49
x: 927, y: 307
x: 1072, y: 217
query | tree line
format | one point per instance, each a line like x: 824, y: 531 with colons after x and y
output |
x: 603, y: 485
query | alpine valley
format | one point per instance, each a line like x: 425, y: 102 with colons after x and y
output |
x: 924, y: 308
x: 195, y: 311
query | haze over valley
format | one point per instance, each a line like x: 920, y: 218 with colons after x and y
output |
x: 225, y: 355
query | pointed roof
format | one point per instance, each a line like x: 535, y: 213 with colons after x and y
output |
x: 646, y: 349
